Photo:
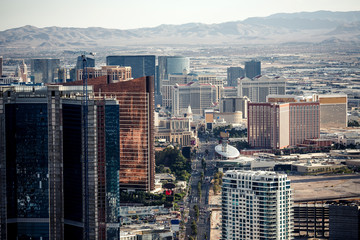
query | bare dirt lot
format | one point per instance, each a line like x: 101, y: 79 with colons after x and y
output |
x: 325, y: 187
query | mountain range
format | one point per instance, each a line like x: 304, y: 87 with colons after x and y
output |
x: 312, y: 27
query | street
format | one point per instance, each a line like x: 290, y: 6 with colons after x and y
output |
x: 203, y: 223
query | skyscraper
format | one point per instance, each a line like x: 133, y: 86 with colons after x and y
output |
x: 43, y: 176
x: 141, y: 65
x: 136, y: 128
x: 198, y: 96
x: 31, y: 159
x: 278, y: 126
x: 252, y: 69
x: 233, y: 73
x: 258, y: 88
x: 90, y: 62
x: 256, y: 205
x: 170, y: 65
x: 44, y: 70
x: 21, y: 72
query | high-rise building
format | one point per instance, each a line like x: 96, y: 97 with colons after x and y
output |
x: 198, y: 96
x: 44, y: 70
x: 1, y: 66
x: 113, y: 73
x: 189, y: 78
x: 170, y: 65
x: 90, y: 62
x: 256, y: 205
x: 233, y: 73
x: 278, y: 126
x: 141, y: 65
x: 258, y: 88
x: 43, y: 180
x: 252, y: 69
x: 62, y: 75
x: 136, y: 128
x: 232, y: 105
x: 333, y: 107
x: 21, y: 72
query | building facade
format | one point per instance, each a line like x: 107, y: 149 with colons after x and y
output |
x: 46, y: 189
x: 90, y: 62
x: 176, y: 131
x: 170, y: 65
x: 278, y: 126
x: 44, y: 70
x: 333, y: 107
x: 234, y: 104
x: 198, y: 96
x: 252, y: 69
x: 136, y: 128
x: 113, y: 73
x: 259, y: 88
x: 256, y: 205
x: 233, y: 73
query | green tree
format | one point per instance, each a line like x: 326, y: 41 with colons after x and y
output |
x: 172, y: 158
x: 194, y: 228
x: 353, y: 123
x: 197, y: 212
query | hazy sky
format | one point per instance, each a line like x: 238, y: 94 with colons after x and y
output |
x: 129, y: 14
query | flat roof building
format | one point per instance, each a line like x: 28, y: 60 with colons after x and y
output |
x: 258, y: 88
x: 256, y: 205
x: 277, y: 126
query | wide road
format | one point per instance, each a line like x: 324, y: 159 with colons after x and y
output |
x: 203, y: 223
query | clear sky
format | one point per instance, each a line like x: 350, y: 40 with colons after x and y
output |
x: 127, y: 14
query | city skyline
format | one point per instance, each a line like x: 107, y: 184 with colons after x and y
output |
x: 41, y: 13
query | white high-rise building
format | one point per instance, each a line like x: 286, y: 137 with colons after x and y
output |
x: 256, y: 205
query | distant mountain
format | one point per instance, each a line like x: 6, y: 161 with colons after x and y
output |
x: 316, y: 27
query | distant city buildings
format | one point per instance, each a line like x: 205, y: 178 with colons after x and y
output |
x: 141, y: 65
x: 258, y: 88
x: 198, y: 96
x: 234, y: 104
x: 278, y: 126
x: 256, y: 205
x: 189, y: 79
x: 113, y: 73
x: 170, y: 65
x: 233, y: 73
x: 44, y: 70
x: 176, y: 131
x: 333, y: 107
x: 90, y: 62
x: 21, y: 72
x: 252, y: 69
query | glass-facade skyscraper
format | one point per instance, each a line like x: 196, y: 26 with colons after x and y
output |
x: 141, y: 65
x: 252, y: 69
x: 44, y: 70
x: 233, y: 73
x: 170, y: 65
x: 42, y: 171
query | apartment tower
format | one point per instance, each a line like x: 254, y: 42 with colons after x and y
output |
x: 256, y: 205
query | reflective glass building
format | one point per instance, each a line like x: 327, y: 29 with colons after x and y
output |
x: 42, y: 172
x: 44, y: 70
